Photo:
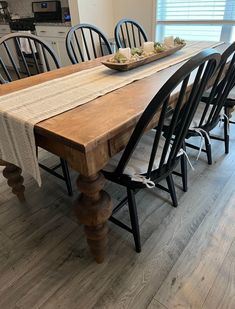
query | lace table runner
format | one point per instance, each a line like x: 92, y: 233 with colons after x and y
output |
x: 21, y: 110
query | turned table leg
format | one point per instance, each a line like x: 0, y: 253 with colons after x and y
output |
x: 14, y: 179
x: 93, y: 208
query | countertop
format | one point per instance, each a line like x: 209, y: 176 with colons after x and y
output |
x: 54, y: 24
x: 57, y: 24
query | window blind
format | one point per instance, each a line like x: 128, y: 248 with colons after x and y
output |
x: 196, y: 18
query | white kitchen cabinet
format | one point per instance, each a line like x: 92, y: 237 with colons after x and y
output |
x: 55, y: 36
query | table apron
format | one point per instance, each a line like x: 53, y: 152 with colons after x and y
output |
x: 86, y: 163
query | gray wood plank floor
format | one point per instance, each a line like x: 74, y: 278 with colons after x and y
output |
x: 187, y: 259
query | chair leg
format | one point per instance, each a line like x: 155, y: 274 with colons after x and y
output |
x: 184, y: 170
x: 171, y: 187
x: 208, y: 151
x: 67, y: 179
x: 226, y: 135
x: 134, y: 219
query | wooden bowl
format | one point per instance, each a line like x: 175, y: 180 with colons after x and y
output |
x: 131, y: 65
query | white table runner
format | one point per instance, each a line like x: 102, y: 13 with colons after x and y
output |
x: 21, y: 110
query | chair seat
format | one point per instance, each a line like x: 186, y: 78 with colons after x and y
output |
x: 139, y: 161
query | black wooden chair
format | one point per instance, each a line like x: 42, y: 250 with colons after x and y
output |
x: 29, y: 55
x: 86, y: 42
x: 151, y: 157
x: 129, y: 33
x: 211, y: 110
x: 229, y: 107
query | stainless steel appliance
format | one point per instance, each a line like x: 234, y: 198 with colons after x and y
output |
x: 47, y: 11
x: 4, y: 12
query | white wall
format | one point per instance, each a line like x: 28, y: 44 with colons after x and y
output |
x: 74, y: 12
x: 97, y: 12
x: 106, y: 13
x: 141, y: 10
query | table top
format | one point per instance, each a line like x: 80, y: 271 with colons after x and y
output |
x: 106, y: 114
x: 102, y: 119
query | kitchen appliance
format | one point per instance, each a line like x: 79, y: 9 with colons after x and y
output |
x: 47, y: 11
x: 4, y: 12
x: 22, y: 24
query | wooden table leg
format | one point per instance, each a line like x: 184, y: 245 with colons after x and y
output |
x: 14, y: 179
x: 93, y: 208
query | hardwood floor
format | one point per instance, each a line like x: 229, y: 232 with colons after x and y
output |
x: 187, y: 259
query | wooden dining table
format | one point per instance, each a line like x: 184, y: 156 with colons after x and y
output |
x: 87, y: 137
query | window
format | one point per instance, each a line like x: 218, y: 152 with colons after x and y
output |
x: 212, y: 20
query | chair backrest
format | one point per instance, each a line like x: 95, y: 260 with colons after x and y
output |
x: 129, y: 33
x: 23, y: 55
x: 184, y: 88
x: 86, y: 42
x: 223, y: 84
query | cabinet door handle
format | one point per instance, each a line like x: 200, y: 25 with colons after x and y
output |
x: 61, y: 32
x: 43, y: 31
